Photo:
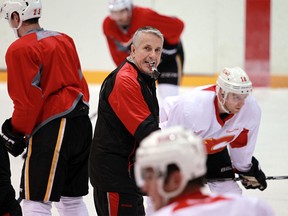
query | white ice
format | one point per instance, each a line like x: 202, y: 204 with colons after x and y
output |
x: 271, y: 149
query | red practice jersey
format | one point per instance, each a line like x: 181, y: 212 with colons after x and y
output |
x: 170, y: 27
x: 45, y: 80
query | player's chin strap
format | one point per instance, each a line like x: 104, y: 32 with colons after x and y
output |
x: 15, y: 30
x: 222, y: 103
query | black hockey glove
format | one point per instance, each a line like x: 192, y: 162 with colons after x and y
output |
x: 13, y: 142
x: 254, y: 178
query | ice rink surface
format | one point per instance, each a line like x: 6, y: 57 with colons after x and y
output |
x: 271, y: 149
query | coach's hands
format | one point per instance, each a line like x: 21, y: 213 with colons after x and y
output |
x: 14, y: 142
x: 254, y: 178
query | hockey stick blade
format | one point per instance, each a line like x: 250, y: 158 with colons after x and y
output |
x: 238, y: 179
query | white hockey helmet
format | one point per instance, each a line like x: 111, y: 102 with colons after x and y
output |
x: 117, y: 5
x: 234, y: 80
x: 174, y: 145
x: 27, y: 9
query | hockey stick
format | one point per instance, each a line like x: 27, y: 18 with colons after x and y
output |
x: 239, y: 179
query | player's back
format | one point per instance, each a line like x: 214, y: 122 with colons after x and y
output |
x: 215, y: 205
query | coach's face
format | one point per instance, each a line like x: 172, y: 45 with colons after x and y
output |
x: 146, y: 52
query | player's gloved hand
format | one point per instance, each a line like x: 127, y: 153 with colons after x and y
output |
x: 254, y: 178
x: 13, y: 142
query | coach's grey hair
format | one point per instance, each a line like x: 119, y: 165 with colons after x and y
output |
x: 146, y: 29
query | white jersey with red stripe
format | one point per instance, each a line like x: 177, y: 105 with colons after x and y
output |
x: 199, y: 112
x: 215, y: 205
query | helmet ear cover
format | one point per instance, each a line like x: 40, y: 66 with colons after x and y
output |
x: 172, y: 146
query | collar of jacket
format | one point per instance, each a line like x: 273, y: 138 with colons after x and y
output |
x: 146, y: 76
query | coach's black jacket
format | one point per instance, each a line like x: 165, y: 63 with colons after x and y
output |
x: 127, y: 112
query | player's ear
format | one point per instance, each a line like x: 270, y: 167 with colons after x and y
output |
x: 173, y: 182
x: 15, y: 16
x: 177, y: 178
x: 221, y: 93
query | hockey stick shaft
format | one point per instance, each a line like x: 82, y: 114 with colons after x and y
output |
x: 238, y: 179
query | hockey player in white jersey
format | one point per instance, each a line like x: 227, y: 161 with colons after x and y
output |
x: 227, y: 117
x: 170, y: 166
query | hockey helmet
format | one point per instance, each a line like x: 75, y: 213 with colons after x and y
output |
x: 117, y: 5
x: 27, y: 9
x: 234, y: 80
x: 175, y: 145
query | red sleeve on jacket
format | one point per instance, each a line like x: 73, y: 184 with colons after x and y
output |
x: 113, y: 34
x: 128, y: 103
x: 241, y: 140
x: 22, y: 67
